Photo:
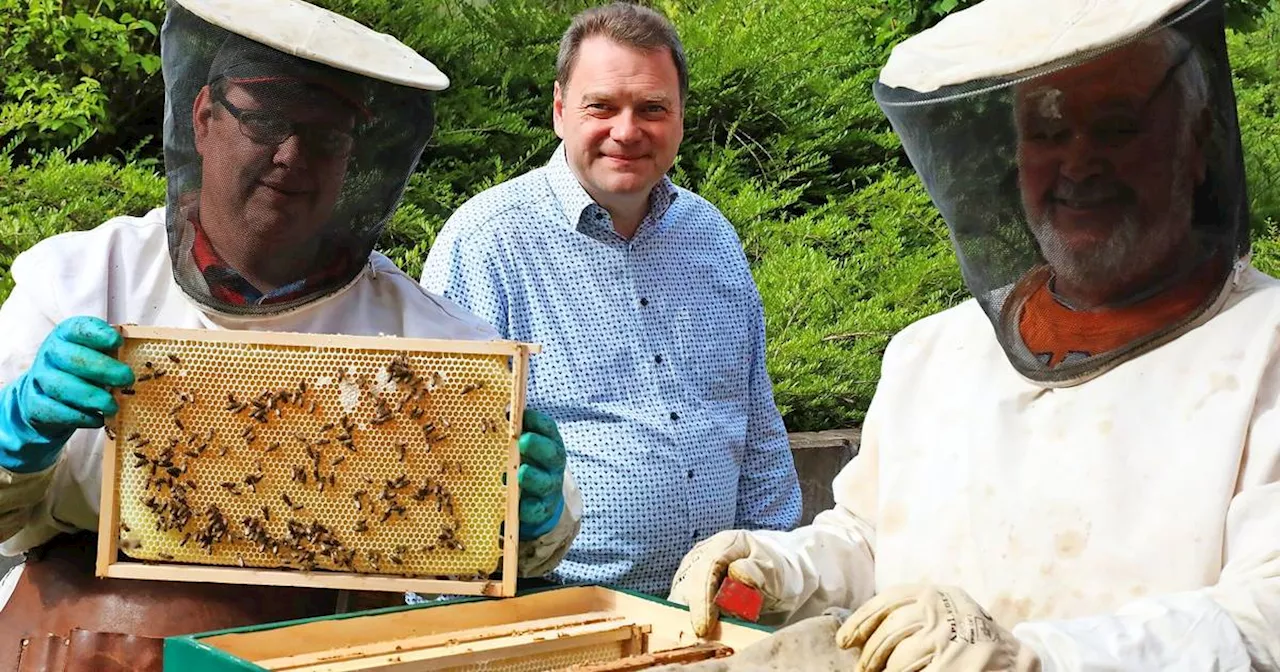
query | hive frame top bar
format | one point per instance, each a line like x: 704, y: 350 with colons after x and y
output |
x: 388, y: 343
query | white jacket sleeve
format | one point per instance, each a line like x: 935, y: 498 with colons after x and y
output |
x: 831, y: 561
x: 20, y: 494
x: 1231, y: 625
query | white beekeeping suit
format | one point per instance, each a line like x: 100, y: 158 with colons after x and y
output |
x: 290, y: 133
x: 1077, y: 469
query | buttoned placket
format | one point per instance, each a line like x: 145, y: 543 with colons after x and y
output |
x: 656, y: 338
x: 658, y: 333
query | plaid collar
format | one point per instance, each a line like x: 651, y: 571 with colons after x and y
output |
x: 228, y: 286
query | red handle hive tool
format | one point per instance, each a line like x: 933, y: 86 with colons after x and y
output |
x: 739, y: 600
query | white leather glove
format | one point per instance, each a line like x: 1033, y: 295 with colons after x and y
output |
x: 931, y: 628
x: 731, y: 552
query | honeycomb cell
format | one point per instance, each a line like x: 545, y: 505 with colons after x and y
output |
x: 314, y: 457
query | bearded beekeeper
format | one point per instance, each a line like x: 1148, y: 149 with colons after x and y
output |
x: 283, y: 169
x: 1077, y: 469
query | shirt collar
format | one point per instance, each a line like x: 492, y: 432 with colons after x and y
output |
x: 581, y: 211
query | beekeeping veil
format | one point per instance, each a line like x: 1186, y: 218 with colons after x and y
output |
x: 1086, y: 158
x: 289, y: 135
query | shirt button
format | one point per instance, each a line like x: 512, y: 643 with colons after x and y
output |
x: 690, y: 473
x: 644, y: 301
x: 657, y: 359
x: 675, y: 416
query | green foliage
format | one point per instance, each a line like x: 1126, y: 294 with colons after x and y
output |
x: 53, y: 194
x: 1255, y: 62
x: 777, y: 143
x: 71, y: 67
x: 781, y: 133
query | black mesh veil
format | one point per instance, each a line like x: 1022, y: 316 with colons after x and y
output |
x: 1096, y: 203
x: 282, y: 171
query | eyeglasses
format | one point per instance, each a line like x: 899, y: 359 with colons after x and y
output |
x: 269, y: 128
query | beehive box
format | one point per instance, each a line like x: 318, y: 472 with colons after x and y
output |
x: 580, y: 628
x: 371, y: 463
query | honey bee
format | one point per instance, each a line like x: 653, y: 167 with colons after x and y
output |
x: 290, y: 502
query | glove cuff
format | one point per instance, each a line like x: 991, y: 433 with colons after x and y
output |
x: 531, y: 532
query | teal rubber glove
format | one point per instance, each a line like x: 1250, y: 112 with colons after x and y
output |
x: 62, y: 391
x: 541, y: 475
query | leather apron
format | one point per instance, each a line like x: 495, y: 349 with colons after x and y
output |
x: 61, y: 618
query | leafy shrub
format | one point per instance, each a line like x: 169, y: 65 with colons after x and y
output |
x: 781, y: 133
x: 74, y: 67
x: 53, y: 194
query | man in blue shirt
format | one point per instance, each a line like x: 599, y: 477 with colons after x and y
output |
x: 653, y: 331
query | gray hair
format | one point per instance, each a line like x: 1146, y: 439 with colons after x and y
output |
x: 627, y: 24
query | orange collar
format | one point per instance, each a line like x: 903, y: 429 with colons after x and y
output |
x: 1054, y: 333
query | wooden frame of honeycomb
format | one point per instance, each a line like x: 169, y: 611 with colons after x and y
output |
x: 347, y: 462
x: 569, y: 629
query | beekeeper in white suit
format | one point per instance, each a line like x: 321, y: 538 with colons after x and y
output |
x: 1076, y: 470
x: 283, y: 169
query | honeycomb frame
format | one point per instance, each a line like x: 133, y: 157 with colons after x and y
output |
x: 376, y: 463
x: 567, y: 626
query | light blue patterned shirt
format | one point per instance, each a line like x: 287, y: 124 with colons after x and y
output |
x: 652, y: 364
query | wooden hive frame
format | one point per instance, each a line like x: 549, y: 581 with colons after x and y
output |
x: 568, y: 629
x: 116, y: 449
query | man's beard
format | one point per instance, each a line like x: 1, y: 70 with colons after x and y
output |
x: 1103, y: 264
x: 1131, y: 251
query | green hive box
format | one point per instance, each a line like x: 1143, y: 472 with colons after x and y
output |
x: 546, y: 629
